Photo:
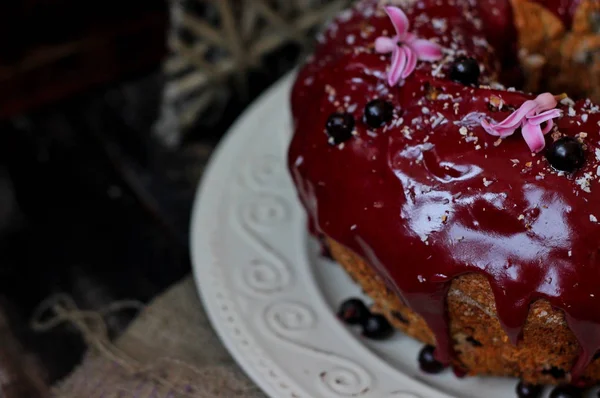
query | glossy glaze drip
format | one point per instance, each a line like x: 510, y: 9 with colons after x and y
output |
x: 430, y: 196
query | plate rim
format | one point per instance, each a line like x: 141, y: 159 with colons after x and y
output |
x: 200, y: 240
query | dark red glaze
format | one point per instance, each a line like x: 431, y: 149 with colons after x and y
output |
x: 423, y: 203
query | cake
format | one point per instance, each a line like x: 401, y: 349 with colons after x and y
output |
x: 468, y: 210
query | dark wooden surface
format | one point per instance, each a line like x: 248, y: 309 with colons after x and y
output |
x: 22, y: 375
x: 96, y: 208
x: 51, y: 49
x: 82, y: 229
x: 90, y: 204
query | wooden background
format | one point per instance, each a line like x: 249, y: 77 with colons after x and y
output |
x: 75, y: 78
x: 50, y: 49
x: 91, y: 203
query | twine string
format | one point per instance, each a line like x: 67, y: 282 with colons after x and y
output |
x: 61, y: 309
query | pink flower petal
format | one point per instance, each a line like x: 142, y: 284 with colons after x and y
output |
x: 411, y: 62
x: 548, y: 127
x: 545, y: 102
x: 533, y: 137
x: 398, y: 65
x: 426, y: 50
x: 515, y: 119
x: 489, y: 128
x: 409, y: 37
x: 497, y: 131
x: 399, y: 20
x: 530, y: 116
x: 385, y: 45
x: 544, y: 116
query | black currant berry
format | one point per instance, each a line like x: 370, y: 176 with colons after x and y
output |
x: 465, y: 70
x: 353, y: 312
x: 566, y: 154
x: 377, y: 327
x: 378, y: 112
x: 566, y: 392
x: 525, y: 390
x: 427, y: 361
x: 339, y: 127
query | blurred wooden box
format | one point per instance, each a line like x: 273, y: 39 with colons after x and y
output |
x: 51, y: 49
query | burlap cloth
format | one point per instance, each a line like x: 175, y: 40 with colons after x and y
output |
x: 169, y: 351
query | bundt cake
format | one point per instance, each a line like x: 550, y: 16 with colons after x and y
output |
x: 444, y: 152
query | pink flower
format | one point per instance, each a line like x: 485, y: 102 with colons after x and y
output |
x: 529, y: 117
x: 405, y: 47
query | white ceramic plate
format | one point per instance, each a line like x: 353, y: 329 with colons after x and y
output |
x: 272, y: 298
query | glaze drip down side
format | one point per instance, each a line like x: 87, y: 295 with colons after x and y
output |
x: 431, y: 196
